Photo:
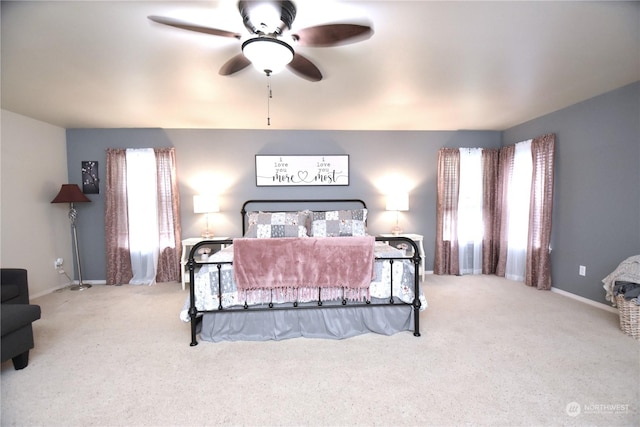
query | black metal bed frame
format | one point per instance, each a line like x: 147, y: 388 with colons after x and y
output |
x: 192, y: 263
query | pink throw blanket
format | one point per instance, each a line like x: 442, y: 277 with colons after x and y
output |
x: 323, y: 262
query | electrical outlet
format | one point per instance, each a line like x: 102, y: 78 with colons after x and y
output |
x: 58, y: 263
x: 582, y: 270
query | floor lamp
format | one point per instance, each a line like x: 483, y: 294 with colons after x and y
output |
x: 70, y: 193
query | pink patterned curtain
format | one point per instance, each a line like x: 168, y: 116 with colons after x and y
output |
x: 448, y: 182
x: 168, y: 216
x: 491, y: 237
x: 538, y: 270
x: 116, y: 223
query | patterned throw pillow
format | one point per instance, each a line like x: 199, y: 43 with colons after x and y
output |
x: 277, y: 224
x: 339, y: 223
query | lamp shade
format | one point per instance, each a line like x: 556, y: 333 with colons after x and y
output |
x: 205, y: 204
x: 70, y: 193
x: 398, y: 202
x: 267, y: 54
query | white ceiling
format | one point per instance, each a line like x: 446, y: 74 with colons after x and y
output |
x: 428, y: 66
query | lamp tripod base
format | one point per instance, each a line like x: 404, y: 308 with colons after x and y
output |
x: 80, y: 287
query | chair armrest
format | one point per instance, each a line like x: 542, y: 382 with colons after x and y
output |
x: 17, y: 278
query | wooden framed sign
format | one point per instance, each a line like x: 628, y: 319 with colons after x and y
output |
x: 302, y: 170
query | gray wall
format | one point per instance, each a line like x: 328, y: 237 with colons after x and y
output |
x: 596, y: 218
x: 224, y: 160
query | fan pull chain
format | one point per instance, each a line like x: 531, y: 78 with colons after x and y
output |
x: 269, y: 96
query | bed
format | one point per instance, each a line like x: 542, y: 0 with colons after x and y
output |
x: 303, y: 268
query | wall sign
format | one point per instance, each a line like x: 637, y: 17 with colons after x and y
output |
x: 302, y: 170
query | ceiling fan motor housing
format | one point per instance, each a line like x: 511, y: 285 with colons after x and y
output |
x: 249, y: 10
x: 267, y: 20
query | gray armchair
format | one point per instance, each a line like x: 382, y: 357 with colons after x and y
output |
x: 17, y: 317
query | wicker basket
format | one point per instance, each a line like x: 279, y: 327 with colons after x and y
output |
x: 629, y: 316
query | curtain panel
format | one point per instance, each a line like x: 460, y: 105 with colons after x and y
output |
x: 491, y: 235
x: 168, y: 216
x: 116, y: 222
x: 448, y: 182
x: 538, y: 270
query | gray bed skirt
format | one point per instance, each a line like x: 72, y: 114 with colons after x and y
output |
x: 333, y: 323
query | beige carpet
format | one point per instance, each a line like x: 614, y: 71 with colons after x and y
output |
x: 492, y: 352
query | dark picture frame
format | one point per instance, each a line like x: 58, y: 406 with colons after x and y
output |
x: 90, y: 179
x: 302, y: 170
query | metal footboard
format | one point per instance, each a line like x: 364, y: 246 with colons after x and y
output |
x: 415, y: 305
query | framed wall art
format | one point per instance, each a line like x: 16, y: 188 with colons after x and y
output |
x: 90, y: 180
x: 330, y: 170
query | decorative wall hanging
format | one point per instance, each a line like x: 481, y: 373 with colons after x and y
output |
x: 90, y: 180
x: 302, y: 170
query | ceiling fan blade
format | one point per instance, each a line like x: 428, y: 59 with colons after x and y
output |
x: 304, y: 68
x: 193, y: 27
x: 332, y: 35
x: 235, y: 64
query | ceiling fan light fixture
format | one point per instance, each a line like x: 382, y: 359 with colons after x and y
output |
x: 267, y: 54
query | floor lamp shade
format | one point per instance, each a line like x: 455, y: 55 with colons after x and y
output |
x: 70, y: 193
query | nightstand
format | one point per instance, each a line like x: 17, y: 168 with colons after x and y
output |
x: 417, y: 239
x: 187, y: 244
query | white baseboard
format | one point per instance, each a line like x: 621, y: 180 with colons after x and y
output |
x: 585, y: 300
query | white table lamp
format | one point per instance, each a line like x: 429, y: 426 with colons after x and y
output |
x: 206, y: 204
x: 397, y: 202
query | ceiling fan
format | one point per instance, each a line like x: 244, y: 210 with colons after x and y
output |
x: 269, y: 45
